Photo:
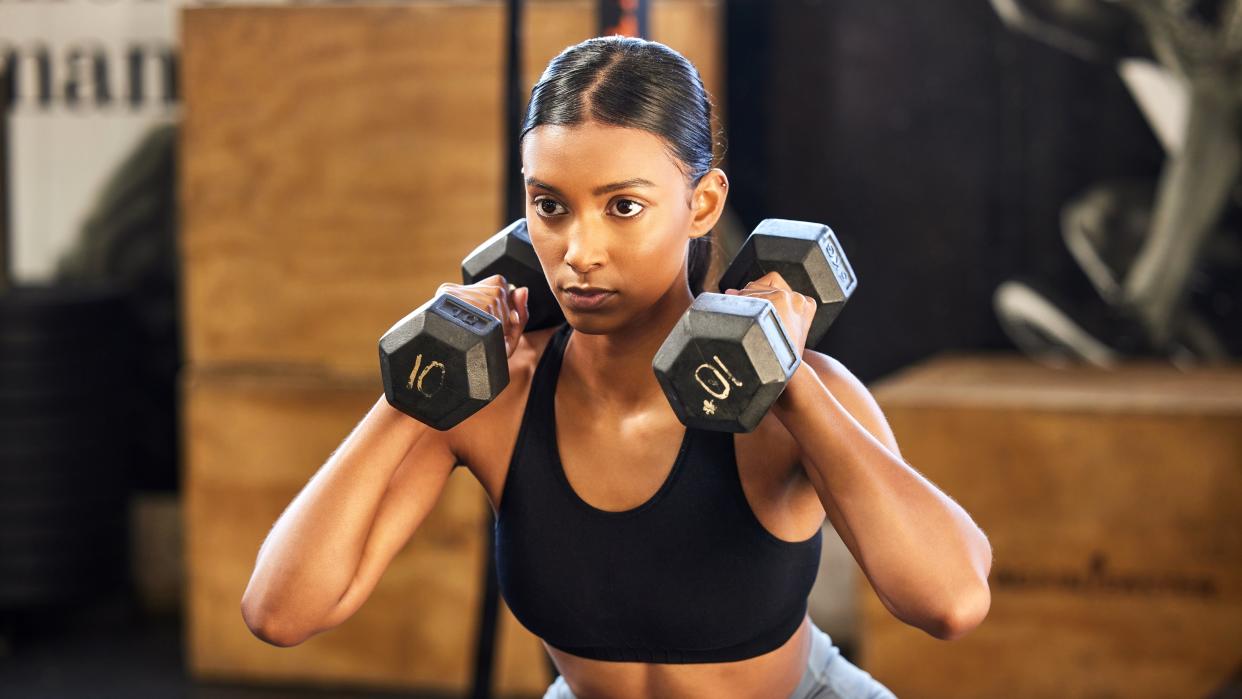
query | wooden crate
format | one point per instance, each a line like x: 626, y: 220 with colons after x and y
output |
x: 254, y: 438
x: 338, y: 162
x: 1111, y: 501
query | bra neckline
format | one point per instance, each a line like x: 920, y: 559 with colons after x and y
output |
x: 559, y: 466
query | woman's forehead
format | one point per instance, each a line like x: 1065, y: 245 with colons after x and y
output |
x: 590, y: 154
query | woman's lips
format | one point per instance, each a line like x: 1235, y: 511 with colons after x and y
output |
x: 586, y: 301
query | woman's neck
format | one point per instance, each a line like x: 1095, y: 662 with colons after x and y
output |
x: 615, y: 369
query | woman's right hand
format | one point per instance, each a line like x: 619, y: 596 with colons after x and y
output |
x: 495, y: 297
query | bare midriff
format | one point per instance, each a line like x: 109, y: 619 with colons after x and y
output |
x: 773, y: 674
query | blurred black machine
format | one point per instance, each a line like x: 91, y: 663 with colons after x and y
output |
x: 1164, y: 257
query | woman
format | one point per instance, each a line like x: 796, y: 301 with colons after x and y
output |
x: 653, y: 561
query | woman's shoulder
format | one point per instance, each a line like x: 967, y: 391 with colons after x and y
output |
x: 531, y: 347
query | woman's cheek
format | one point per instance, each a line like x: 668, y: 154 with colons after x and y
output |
x: 547, y: 249
x: 666, y: 258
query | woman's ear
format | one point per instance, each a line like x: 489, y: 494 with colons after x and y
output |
x: 707, y: 202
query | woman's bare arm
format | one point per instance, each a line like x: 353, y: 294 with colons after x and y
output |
x: 326, y: 552
x: 923, y: 554
x: 329, y: 548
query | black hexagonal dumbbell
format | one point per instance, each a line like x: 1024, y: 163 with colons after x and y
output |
x: 728, y: 359
x: 446, y: 359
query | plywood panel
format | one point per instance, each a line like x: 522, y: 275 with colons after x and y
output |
x: 338, y: 162
x: 254, y: 438
x: 551, y: 27
x: 1111, y: 502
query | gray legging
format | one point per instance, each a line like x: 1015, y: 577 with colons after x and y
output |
x: 828, y: 676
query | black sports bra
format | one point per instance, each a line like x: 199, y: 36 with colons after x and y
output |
x: 690, y: 576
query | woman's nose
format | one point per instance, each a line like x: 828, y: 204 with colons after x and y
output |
x: 584, y: 251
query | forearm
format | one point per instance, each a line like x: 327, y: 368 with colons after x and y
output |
x: 312, y: 552
x: 925, y: 557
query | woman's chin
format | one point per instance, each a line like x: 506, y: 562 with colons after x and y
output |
x: 601, y: 322
x: 590, y: 323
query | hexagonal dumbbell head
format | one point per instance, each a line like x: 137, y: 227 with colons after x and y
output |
x: 510, y: 254
x: 725, y: 363
x: 443, y: 362
x: 808, y: 256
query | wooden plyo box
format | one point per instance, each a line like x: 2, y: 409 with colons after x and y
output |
x: 338, y: 163
x: 256, y: 438
x: 1111, y: 500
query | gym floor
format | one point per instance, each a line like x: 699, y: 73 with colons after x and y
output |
x: 112, y: 651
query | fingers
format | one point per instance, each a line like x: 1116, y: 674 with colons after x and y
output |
x: 796, y: 310
x: 498, y: 298
x: 508, y: 303
x: 490, y: 294
x: 773, y: 280
x: 493, y: 299
x: 772, y: 286
x: 523, y: 305
x: 516, y: 316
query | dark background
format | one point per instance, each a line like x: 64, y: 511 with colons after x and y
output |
x: 937, y: 144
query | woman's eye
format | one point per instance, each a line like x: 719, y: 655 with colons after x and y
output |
x: 628, y: 208
x: 625, y: 208
x: 547, y: 207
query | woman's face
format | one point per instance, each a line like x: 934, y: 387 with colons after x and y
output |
x: 609, y: 209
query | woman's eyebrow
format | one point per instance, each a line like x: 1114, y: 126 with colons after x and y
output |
x: 624, y: 184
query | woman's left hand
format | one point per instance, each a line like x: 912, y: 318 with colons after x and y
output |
x: 796, y: 311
